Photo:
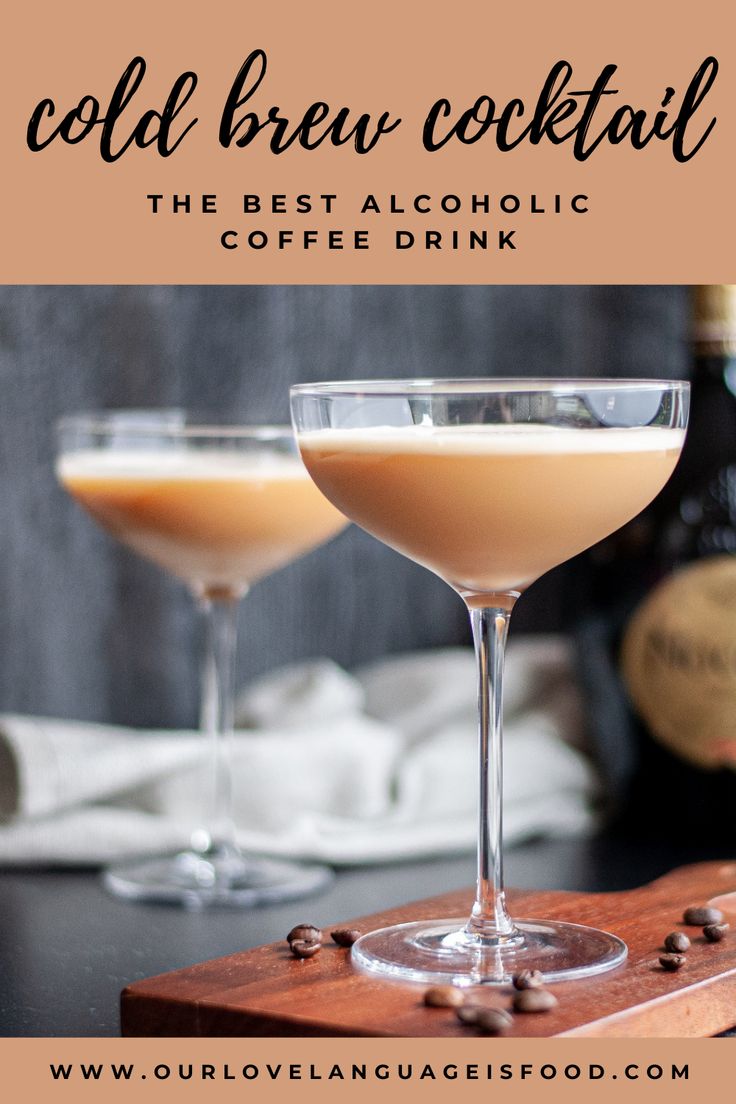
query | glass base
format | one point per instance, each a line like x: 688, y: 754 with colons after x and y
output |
x: 221, y: 876
x: 441, y: 951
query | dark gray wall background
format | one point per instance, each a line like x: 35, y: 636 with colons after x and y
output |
x: 90, y: 631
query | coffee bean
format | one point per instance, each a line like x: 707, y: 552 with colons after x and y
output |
x: 534, y: 1000
x: 305, y: 948
x: 345, y: 937
x: 444, y: 996
x: 528, y: 979
x: 469, y: 1013
x: 714, y: 933
x: 698, y: 917
x: 494, y: 1021
x: 307, y: 932
x: 676, y: 942
x: 672, y: 962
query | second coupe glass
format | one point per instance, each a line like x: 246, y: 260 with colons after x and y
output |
x: 220, y: 507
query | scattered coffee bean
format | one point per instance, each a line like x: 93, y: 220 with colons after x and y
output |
x: 528, y: 979
x: 672, y: 962
x: 306, y: 932
x: 698, y: 917
x: 534, y: 1000
x: 714, y: 933
x: 444, y: 996
x: 345, y: 937
x: 676, y: 942
x: 494, y: 1021
x: 469, y: 1013
x: 305, y: 948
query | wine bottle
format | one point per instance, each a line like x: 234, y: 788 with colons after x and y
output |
x: 698, y: 508
x: 658, y: 643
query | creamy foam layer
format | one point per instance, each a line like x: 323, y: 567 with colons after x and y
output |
x: 188, y: 465
x: 529, y: 440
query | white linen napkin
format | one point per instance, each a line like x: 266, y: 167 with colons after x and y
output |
x: 361, y: 768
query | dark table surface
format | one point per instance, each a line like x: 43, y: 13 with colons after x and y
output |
x: 67, y: 948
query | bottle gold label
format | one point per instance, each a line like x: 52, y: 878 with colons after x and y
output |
x: 679, y: 662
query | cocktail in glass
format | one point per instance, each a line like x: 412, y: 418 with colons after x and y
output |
x: 490, y: 483
x: 219, y: 507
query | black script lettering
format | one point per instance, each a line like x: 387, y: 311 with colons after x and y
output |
x: 555, y: 105
x: 152, y: 127
x: 626, y: 121
x: 482, y: 113
x: 695, y: 93
x: 244, y: 128
x: 548, y: 111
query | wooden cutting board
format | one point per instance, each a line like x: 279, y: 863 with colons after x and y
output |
x: 267, y: 992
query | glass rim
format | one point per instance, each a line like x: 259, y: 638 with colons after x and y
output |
x: 487, y: 385
x: 127, y: 421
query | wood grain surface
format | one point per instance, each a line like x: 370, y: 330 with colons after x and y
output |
x: 268, y: 992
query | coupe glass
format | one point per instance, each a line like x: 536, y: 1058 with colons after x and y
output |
x: 489, y: 483
x: 220, y: 507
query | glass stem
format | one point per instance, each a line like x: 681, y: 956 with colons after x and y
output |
x: 489, y: 921
x: 217, y: 717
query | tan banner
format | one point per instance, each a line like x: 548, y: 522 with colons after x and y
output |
x: 398, y: 142
x: 325, y: 1070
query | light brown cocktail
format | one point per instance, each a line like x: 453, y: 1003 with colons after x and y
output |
x: 220, y: 522
x: 491, y: 508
